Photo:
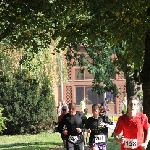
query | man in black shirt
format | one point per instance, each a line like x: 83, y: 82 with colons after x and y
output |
x: 72, y: 125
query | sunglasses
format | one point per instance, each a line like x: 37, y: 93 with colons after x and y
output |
x: 63, y: 109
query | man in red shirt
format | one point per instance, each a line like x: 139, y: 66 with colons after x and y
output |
x: 63, y: 112
x: 131, y: 125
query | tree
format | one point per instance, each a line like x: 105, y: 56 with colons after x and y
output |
x: 98, y: 59
x: 119, y: 23
x: 145, y: 74
x: 32, y: 24
x: 23, y: 24
x: 26, y: 91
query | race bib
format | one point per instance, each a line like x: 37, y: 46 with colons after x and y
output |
x: 130, y: 143
x: 99, y: 138
x: 73, y: 139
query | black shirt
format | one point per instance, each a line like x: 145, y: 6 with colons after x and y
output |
x: 94, y: 125
x: 107, y: 121
x: 72, y: 122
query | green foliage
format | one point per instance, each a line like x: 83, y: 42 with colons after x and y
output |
x: 24, y: 24
x: 2, y: 121
x: 28, y: 104
x: 26, y: 92
x: 99, y: 64
x: 119, y: 23
x: 31, y: 25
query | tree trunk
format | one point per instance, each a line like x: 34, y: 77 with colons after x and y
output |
x: 133, y: 88
x: 145, y: 74
x: 129, y: 86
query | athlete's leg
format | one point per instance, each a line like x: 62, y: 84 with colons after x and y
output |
x: 80, y: 146
x: 85, y: 137
x: 70, y: 146
x: 64, y: 142
x: 93, y: 146
x: 104, y: 147
x: 63, y: 137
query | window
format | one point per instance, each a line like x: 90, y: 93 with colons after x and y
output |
x: 87, y: 93
x: 79, y: 94
x: 87, y: 59
x: 82, y: 76
x: 79, y: 75
x: 87, y: 75
x: 110, y: 97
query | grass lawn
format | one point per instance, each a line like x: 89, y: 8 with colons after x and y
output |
x: 112, y: 145
x: 43, y: 141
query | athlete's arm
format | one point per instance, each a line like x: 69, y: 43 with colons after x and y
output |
x: 61, y: 124
x: 118, y: 139
x: 147, y: 127
x: 118, y: 130
x: 110, y: 126
x: 147, y: 137
x: 144, y: 145
x: 108, y: 121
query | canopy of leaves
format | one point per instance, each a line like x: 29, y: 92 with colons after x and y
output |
x: 25, y: 24
x: 98, y: 60
x: 118, y: 22
x: 31, y: 24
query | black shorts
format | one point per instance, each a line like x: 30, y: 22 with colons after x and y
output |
x: 70, y: 146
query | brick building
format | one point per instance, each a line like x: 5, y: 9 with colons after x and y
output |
x: 79, y: 86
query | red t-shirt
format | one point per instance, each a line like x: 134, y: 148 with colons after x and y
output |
x: 132, y: 128
x: 60, y: 117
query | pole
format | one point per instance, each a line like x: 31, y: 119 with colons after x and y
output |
x: 61, y: 76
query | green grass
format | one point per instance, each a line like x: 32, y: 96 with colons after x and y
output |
x: 112, y: 145
x: 43, y: 141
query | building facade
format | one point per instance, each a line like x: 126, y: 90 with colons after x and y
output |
x: 79, y: 86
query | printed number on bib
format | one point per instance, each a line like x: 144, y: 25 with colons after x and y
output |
x: 73, y: 139
x: 99, y: 138
x: 130, y: 143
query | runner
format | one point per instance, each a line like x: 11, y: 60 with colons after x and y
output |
x: 72, y: 125
x: 106, y: 120
x: 83, y: 104
x: 85, y: 133
x: 97, y: 126
x: 131, y: 125
x: 63, y: 137
x: 59, y: 108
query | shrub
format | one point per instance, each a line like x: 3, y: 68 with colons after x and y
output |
x: 2, y: 121
x: 28, y: 104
